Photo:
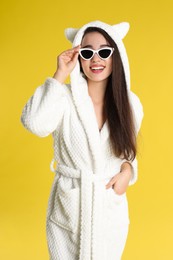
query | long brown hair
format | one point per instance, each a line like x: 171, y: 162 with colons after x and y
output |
x: 117, y: 107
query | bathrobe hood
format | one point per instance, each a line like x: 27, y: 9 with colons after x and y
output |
x: 117, y: 32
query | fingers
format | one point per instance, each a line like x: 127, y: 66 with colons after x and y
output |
x: 73, y: 50
x: 77, y: 47
x: 69, y: 55
x: 112, y: 182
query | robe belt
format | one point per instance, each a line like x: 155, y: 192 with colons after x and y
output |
x: 88, y: 178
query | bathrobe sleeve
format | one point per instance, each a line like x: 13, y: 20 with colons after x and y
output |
x: 45, y: 109
x: 137, y: 110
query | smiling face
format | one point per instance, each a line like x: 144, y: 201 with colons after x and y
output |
x: 96, y: 69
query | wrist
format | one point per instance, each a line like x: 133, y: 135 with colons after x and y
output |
x: 60, y: 76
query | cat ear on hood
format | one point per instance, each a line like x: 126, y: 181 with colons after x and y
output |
x: 121, y: 29
x: 70, y: 33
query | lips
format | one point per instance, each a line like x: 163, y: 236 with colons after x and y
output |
x: 97, y: 69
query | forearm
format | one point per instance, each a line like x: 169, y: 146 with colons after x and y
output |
x: 134, y: 170
x: 125, y: 176
x: 126, y: 167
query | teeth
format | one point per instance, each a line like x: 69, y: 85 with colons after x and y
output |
x: 97, y: 68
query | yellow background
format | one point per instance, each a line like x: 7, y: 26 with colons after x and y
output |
x: 32, y: 35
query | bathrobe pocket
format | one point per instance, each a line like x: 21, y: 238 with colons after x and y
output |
x: 117, y: 207
x: 115, y: 198
x: 66, y: 209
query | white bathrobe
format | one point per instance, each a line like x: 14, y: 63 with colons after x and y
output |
x: 85, y: 221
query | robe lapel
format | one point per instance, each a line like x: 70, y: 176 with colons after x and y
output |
x: 87, y: 115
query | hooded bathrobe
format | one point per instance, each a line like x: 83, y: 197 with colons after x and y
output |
x: 85, y: 221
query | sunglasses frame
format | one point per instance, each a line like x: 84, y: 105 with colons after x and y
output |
x: 96, y: 52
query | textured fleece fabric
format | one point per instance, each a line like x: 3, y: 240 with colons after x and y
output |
x: 85, y: 221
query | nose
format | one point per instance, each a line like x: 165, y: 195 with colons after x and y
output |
x: 95, y: 58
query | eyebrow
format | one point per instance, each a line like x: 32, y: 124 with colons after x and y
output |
x: 90, y: 46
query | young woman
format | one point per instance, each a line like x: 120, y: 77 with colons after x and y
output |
x: 94, y: 122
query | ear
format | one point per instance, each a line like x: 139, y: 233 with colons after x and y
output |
x: 70, y: 33
x: 121, y: 29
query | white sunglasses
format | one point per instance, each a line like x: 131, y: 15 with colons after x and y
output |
x: 103, y: 53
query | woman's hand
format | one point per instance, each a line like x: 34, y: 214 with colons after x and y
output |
x: 121, y: 180
x: 66, y: 62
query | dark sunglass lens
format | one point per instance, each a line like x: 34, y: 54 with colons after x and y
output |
x: 104, y: 53
x: 87, y: 54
